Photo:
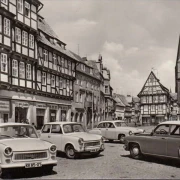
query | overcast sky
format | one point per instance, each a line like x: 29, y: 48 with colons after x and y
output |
x: 133, y: 36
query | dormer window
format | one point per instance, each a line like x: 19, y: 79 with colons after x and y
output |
x: 27, y: 9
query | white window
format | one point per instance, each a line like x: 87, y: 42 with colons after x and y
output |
x: 4, y: 63
x: 0, y: 23
x: 18, y: 35
x: 45, y: 55
x: 28, y: 71
x: 15, y: 68
x: 31, y: 41
x: 4, y: 1
x: 20, y: 6
x: 6, y: 26
x: 43, y: 78
x: 52, y: 81
x: 27, y: 9
x: 25, y: 38
x: 21, y: 70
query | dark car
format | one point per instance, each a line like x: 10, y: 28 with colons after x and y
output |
x: 163, y: 141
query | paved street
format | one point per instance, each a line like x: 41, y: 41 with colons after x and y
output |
x: 114, y: 162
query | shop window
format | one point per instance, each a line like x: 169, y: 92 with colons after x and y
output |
x: 4, y: 63
x: 52, y: 115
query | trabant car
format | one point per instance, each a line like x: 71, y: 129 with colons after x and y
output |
x: 20, y: 147
x: 115, y: 130
x: 71, y: 138
x: 163, y: 141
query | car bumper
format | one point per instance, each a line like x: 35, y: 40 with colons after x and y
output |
x: 23, y: 164
x: 92, y: 149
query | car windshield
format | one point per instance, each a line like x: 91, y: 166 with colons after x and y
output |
x: 71, y: 128
x: 17, y: 131
x: 121, y: 124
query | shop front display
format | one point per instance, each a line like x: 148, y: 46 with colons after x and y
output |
x: 53, y: 112
x: 4, y: 110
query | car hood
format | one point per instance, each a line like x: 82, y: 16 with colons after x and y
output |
x: 25, y: 144
x: 133, y: 129
x: 86, y: 136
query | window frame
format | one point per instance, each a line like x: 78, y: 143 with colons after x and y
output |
x: 24, y: 38
x: 27, y: 7
x: 7, y: 26
x: 15, y: 68
x: 28, y: 72
x: 2, y: 62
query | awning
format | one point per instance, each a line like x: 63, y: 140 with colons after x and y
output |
x: 146, y: 115
x: 160, y: 115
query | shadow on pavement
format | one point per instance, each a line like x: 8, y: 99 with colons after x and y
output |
x: 23, y: 173
x: 157, y: 160
x: 80, y: 157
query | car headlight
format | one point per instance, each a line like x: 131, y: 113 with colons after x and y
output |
x: 8, y: 151
x: 102, y: 139
x: 53, y: 148
x: 130, y: 133
x: 80, y: 141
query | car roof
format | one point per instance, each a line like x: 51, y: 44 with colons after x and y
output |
x: 13, y: 124
x: 171, y: 122
x: 58, y: 122
x: 111, y: 121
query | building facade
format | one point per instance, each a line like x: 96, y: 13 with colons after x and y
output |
x: 37, y: 72
x: 154, y: 101
x: 86, y: 105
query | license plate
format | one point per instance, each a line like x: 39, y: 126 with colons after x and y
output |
x: 94, y: 150
x: 32, y: 165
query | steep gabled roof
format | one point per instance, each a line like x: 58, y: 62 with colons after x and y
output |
x: 174, y: 96
x: 136, y: 99
x: 163, y: 87
x: 121, y: 99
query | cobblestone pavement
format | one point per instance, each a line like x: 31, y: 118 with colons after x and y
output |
x: 113, y: 163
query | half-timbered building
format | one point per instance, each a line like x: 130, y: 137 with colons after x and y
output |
x: 154, y: 101
x: 36, y: 70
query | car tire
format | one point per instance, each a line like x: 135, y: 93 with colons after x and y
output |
x: 121, y: 138
x: 135, y: 151
x: 70, y: 152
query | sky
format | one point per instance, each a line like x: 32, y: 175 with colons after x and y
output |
x: 133, y: 37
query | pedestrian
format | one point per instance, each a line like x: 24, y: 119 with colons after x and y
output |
x: 34, y: 125
x: 27, y: 121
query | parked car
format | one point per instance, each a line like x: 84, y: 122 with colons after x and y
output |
x: 20, y: 147
x: 163, y: 141
x: 115, y: 130
x: 71, y: 138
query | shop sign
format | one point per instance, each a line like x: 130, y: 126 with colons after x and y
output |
x: 4, y: 105
x: 22, y: 104
x: 42, y: 106
x: 54, y: 107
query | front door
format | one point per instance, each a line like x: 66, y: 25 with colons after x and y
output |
x: 40, y: 122
x: 157, y: 143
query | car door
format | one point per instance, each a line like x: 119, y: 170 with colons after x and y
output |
x: 110, y: 131
x: 173, y: 142
x: 157, y: 143
x: 55, y: 136
x: 102, y: 127
x: 45, y: 132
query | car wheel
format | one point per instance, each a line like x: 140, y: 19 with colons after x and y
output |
x: 135, y: 151
x: 121, y: 138
x: 70, y: 152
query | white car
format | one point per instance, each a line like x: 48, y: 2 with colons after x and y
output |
x: 115, y: 130
x: 20, y: 147
x: 70, y: 137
